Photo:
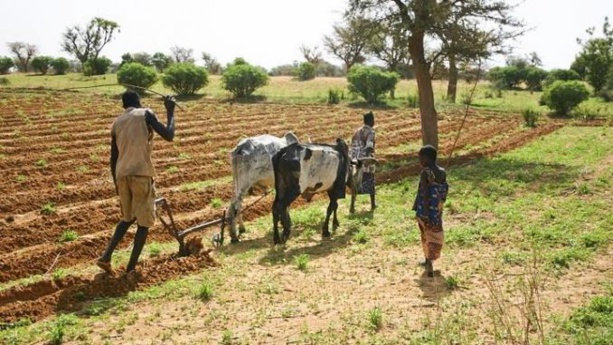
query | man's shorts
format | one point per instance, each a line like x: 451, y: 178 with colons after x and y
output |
x: 137, y: 198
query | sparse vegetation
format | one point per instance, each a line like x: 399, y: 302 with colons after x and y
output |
x: 48, y: 208
x: 531, y: 117
x: 68, y: 236
x: 302, y: 261
x: 375, y: 318
x: 205, y: 291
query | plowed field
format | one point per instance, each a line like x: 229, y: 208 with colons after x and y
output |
x: 54, y: 164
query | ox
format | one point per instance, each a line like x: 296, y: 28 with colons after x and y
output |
x: 307, y: 169
x: 252, y: 167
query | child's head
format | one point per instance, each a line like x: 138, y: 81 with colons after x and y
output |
x: 369, y: 119
x: 427, y: 155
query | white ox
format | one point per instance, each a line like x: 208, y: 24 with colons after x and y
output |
x: 252, y: 167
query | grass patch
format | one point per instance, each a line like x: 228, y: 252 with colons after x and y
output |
x: 375, y: 319
x: 48, y: 209
x: 68, y: 236
x: 302, y: 262
x: 205, y: 292
x: 172, y: 169
x: 21, y: 178
x: 41, y: 163
x: 216, y: 203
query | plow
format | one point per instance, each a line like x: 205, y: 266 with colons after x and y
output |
x: 164, y: 213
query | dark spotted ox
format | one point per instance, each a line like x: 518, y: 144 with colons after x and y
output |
x: 252, y: 168
x: 308, y: 169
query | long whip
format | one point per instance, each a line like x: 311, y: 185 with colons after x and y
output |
x: 131, y: 86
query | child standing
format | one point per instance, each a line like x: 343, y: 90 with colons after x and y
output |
x: 428, y: 206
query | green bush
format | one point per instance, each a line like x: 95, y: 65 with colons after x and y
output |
x: 534, y: 78
x: 563, y: 96
x: 137, y: 74
x: 305, y: 71
x: 561, y: 74
x: 531, y: 117
x: 97, y: 66
x: 586, y: 112
x: 242, y: 79
x: 60, y: 65
x: 185, y: 78
x: 334, y: 96
x: 508, y: 77
x: 6, y: 63
x: 42, y: 64
x: 371, y: 82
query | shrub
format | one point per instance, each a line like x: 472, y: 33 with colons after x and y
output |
x: 305, y: 71
x: 560, y: 74
x: 42, y: 64
x: 6, y: 63
x: 531, y: 117
x: 506, y: 77
x: 4, y: 81
x: 242, y: 79
x: 137, y: 74
x: 563, y: 96
x: 534, y: 78
x: 60, y: 65
x: 302, y: 261
x: 334, y: 96
x: 413, y: 100
x: 98, y: 66
x: 371, y: 82
x: 586, y: 113
x: 185, y: 78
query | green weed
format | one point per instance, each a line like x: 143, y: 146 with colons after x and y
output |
x: 155, y: 249
x: 41, y: 163
x: 172, y: 169
x: 375, y: 319
x: 60, y: 186
x: 360, y: 237
x: 302, y: 261
x: 68, y: 236
x: 216, y: 203
x: 205, y: 292
x: 452, y: 283
x: 21, y: 178
x: 48, y: 208
x: 83, y: 169
x: 226, y: 337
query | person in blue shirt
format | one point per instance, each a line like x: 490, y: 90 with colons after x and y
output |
x: 428, y: 206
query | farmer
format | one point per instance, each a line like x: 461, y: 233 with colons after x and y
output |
x: 133, y: 173
x: 428, y: 206
x: 363, y: 146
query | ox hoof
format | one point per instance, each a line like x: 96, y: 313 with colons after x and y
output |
x: 234, y: 240
x: 352, y: 211
x: 326, y: 234
x: 242, y: 230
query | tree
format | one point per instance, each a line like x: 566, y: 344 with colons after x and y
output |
x: 6, y: 63
x: 42, y: 64
x: 596, y: 58
x: 563, y: 96
x: 161, y: 61
x: 371, y: 83
x: 312, y: 55
x: 242, y: 79
x: 211, y: 64
x: 181, y: 54
x: 23, y: 52
x: 86, y: 43
x: 126, y: 59
x: 389, y: 45
x: 60, y: 65
x: 185, y: 78
x: 143, y: 58
x: 348, y: 41
x: 134, y: 73
x: 305, y: 71
x: 464, y: 39
x: 97, y: 66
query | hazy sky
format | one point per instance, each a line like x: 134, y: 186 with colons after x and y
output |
x: 265, y: 32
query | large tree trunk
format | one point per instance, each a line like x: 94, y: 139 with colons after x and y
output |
x: 452, y: 87
x: 429, y: 119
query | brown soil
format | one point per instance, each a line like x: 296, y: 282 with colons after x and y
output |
x: 41, y: 122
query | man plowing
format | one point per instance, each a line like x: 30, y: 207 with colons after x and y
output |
x: 133, y: 173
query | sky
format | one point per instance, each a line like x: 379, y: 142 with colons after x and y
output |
x: 265, y: 32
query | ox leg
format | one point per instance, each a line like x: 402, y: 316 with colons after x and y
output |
x: 335, y: 222
x: 275, y: 223
x: 287, y: 224
x: 353, y: 195
x: 235, y: 208
x: 332, y: 206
